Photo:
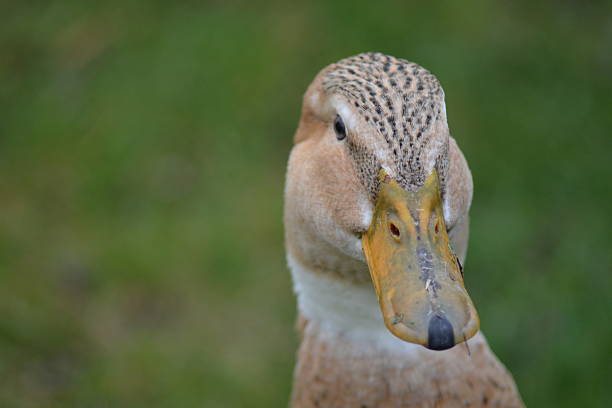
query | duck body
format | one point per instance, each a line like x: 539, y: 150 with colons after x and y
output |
x: 376, y: 221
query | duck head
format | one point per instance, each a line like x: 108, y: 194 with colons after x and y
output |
x: 378, y: 191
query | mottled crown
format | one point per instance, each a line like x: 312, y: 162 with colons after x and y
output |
x: 404, y: 103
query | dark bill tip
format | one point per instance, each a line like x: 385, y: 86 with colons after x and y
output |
x: 440, y: 333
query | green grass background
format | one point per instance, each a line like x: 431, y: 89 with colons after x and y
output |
x: 142, y: 156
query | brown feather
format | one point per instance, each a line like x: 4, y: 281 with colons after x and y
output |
x: 334, y: 373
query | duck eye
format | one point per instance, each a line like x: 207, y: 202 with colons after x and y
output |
x: 339, y: 128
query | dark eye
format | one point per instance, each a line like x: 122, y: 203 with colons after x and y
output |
x: 339, y: 128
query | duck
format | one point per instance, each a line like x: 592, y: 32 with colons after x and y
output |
x: 376, y: 205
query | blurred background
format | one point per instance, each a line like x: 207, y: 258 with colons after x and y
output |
x: 142, y: 155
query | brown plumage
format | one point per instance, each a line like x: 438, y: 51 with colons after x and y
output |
x: 337, y: 374
x: 395, y: 120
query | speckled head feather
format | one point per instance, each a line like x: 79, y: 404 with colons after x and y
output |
x: 404, y: 104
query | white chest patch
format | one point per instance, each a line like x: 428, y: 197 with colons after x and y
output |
x: 346, y: 309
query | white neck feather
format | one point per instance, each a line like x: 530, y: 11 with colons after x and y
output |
x: 348, y: 311
x: 341, y: 308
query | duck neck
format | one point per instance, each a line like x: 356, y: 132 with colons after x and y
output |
x: 343, y: 310
x: 347, y: 356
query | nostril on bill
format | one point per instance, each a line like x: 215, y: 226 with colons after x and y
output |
x: 394, y: 230
x: 440, y: 334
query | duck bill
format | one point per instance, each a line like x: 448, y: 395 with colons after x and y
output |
x: 417, y: 277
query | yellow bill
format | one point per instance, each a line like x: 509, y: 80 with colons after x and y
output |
x: 417, y: 276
